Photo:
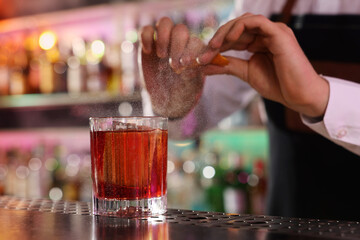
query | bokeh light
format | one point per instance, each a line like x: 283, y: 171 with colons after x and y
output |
x: 189, y: 166
x: 170, y: 167
x: 253, y: 180
x: 22, y: 172
x: 47, y: 40
x: 131, y: 36
x: 35, y: 164
x: 125, y: 109
x: 55, y: 194
x: 127, y: 47
x: 98, y: 48
x: 208, y: 172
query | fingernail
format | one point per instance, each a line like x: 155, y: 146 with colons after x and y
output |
x: 204, y: 58
x: 173, y: 64
x: 184, y: 61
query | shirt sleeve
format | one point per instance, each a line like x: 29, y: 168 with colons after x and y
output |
x: 341, y: 122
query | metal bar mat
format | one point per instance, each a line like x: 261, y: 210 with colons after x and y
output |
x: 317, y: 227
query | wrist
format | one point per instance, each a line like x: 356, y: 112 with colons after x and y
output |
x: 319, y: 99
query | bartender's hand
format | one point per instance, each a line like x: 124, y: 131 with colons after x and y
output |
x: 278, y: 69
x: 166, y: 49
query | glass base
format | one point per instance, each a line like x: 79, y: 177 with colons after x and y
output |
x: 129, y: 208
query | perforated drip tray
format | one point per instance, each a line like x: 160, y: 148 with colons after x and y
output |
x: 45, y: 205
x: 325, y: 228
x: 314, y: 227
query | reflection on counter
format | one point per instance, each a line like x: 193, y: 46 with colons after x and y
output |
x: 152, y: 228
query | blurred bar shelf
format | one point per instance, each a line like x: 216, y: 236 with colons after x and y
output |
x: 63, y: 110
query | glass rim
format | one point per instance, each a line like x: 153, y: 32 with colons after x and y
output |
x: 129, y: 117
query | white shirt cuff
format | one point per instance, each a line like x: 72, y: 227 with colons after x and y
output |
x: 341, y: 122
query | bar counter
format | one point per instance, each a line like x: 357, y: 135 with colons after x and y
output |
x: 46, y: 219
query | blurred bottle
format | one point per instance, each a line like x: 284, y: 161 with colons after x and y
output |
x: 75, y: 73
x: 60, y: 68
x: 4, y: 72
x: 128, y: 56
x: 17, y: 65
x: 58, y: 173
x: 113, y: 68
x: 214, y: 175
x: 72, y: 184
x: 258, y: 185
x: 46, y: 75
x: 96, y: 70
x: 33, y: 67
x: 50, y: 54
x: 3, y: 175
x: 236, y: 194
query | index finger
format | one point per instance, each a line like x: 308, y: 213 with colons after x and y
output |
x: 163, y: 33
x: 147, y: 38
x: 249, y: 25
x: 254, y: 24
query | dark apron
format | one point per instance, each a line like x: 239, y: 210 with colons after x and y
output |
x: 309, y: 176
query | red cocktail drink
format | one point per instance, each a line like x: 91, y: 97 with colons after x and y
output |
x: 129, y: 165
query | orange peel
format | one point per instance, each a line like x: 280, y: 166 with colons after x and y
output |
x: 220, y: 60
